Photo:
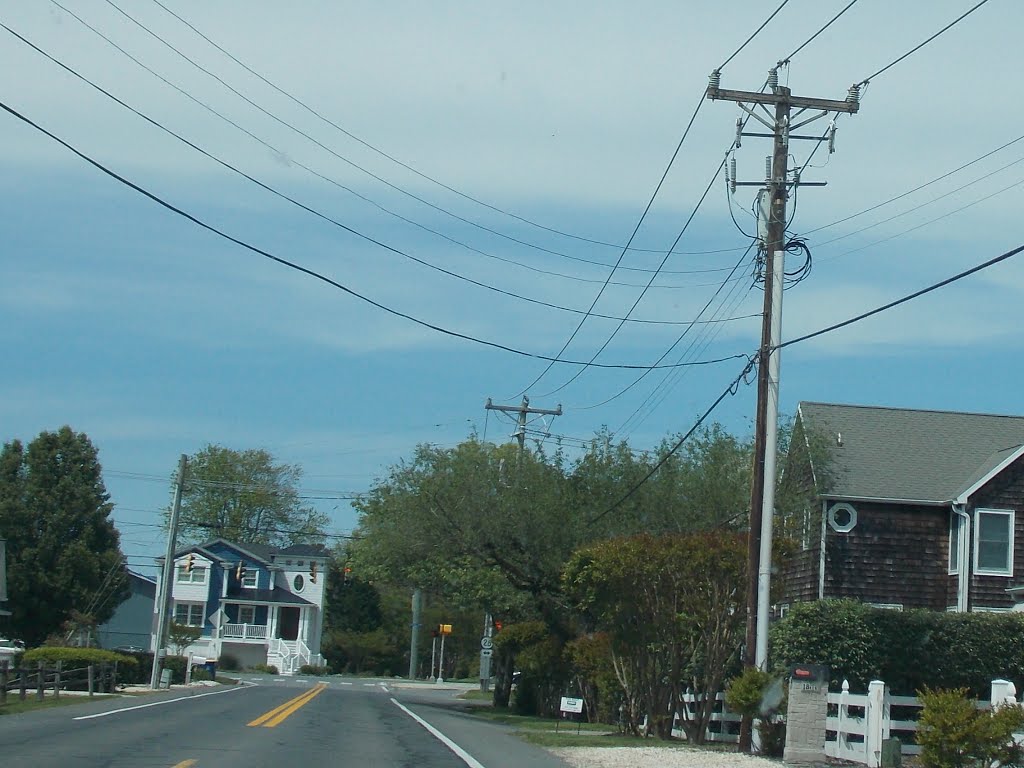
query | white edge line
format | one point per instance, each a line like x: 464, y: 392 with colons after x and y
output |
x: 159, y: 703
x: 467, y: 758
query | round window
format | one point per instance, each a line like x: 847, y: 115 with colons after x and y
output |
x: 842, y: 517
x: 298, y: 583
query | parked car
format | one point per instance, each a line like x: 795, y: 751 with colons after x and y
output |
x: 9, y: 648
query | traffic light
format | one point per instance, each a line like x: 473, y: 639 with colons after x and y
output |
x: 190, y: 562
x: 348, y: 574
x: 240, y: 570
x: 312, y: 571
x: 497, y: 626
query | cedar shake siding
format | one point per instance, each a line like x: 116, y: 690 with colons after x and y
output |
x: 1005, y: 491
x: 894, y: 555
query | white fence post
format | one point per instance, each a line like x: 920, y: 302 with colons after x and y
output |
x: 876, y: 722
x: 1003, y: 692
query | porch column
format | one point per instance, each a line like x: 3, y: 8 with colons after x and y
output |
x: 271, y: 623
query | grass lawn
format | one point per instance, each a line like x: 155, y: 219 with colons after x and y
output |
x: 14, y: 706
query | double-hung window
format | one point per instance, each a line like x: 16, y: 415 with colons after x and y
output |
x: 247, y: 614
x: 196, y: 576
x: 993, y: 542
x: 955, y: 522
x: 249, y: 580
x: 190, y: 614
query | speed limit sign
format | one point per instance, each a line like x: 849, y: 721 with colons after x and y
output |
x: 486, y: 643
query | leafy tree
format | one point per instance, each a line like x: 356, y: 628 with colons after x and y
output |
x: 350, y: 603
x: 182, y: 636
x: 674, y: 608
x: 245, y: 496
x: 63, y: 552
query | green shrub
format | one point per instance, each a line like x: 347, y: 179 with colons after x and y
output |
x: 953, y: 733
x: 908, y: 650
x: 228, y: 662
x: 269, y: 669
x: 312, y: 669
x: 76, y: 658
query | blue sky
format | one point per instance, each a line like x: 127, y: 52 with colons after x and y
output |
x: 155, y: 337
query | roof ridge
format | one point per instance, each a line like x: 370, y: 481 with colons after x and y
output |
x: 910, y: 410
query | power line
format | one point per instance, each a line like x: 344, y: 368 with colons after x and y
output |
x: 814, y: 37
x: 754, y: 34
x: 312, y: 171
x: 636, y: 229
x: 306, y: 270
x: 307, y: 136
x: 915, y: 189
x: 729, y: 390
x: 934, y: 287
x: 381, y: 152
x: 679, y: 338
x: 315, y: 212
x: 921, y: 45
x: 930, y: 221
x: 922, y: 205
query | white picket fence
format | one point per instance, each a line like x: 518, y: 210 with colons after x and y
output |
x: 857, y: 724
x: 724, y: 725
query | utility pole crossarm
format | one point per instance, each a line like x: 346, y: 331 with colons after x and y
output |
x: 849, y: 105
x: 517, y: 408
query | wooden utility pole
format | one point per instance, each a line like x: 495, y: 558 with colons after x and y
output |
x: 523, y: 410
x: 167, y: 575
x: 772, y: 231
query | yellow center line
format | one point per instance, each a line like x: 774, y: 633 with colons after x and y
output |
x: 185, y: 764
x: 278, y: 714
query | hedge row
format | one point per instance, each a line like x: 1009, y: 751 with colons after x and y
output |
x: 76, y: 658
x: 908, y: 650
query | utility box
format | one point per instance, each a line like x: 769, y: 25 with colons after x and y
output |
x: 165, y: 678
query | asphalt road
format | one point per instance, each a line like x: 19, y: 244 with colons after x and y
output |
x: 277, y: 723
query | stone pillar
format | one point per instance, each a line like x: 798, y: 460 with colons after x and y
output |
x: 805, y: 717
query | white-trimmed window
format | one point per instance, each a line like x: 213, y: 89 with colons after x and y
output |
x: 249, y: 580
x: 247, y: 614
x: 842, y: 517
x: 955, y: 524
x: 993, y: 542
x: 190, y: 614
x: 197, y: 575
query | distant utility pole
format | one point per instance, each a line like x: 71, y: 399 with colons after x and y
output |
x: 164, y: 600
x: 772, y: 230
x: 523, y: 410
x: 417, y: 623
x: 3, y: 577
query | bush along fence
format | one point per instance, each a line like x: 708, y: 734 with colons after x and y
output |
x: 44, y: 679
x: 857, y: 724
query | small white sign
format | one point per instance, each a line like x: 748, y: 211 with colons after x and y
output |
x: 572, y: 705
x: 486, y: 652
x: 486, y: 642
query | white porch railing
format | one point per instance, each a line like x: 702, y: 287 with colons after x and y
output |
x: 245, y: 631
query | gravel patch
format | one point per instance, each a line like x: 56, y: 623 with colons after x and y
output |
x: 655, y: 757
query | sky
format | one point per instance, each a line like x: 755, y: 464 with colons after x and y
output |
x: 479, y: 168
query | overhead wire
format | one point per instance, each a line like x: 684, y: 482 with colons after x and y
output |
x: 365, y: 198
x: 922, y: 44
x: 594, y: 357
x: 317, y: 142
x: 298, y: 267
x: 678, y: 339
x: 731, y: 389
x: 319, y: 214
x: 909, y: 297
x: 320, y: 116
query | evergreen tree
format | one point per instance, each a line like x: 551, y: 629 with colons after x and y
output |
x: 63, y: 552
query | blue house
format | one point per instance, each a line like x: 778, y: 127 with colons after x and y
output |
x: 260, y: 604
x: 132, y: 623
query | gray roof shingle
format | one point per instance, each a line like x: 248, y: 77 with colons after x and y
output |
x: 911, y: 455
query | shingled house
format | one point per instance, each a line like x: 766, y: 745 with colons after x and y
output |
x: 905, y: 508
